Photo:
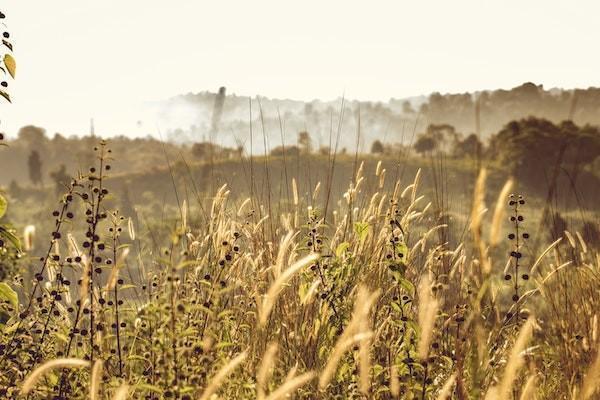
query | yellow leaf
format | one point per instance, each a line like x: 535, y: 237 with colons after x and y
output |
x: 11, y: 64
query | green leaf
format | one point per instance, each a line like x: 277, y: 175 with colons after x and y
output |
x: 7, y: 294
x: 3, y: 206
x: 6, y: 234
x: 341, y: 249
x: 362, y: 229
x: 148, y: 388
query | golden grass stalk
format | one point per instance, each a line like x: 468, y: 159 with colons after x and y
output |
x: 428, y: 307
x: 581, y: 242
x: 591, y: 381
x: 95, y: 379
x: 571, y: 239
x: 541, y: 256
x: 515, y: 360
x: 184, y: 213
x: 295, y: 191
x: 269, y: 301
x: 28, y: 237
x: 131, y: 229
x: 337, y: 353
x: 114, y: 271
x: 264, y: 372
x: 351, y: 335
x: 37, y: 373
x: 446, y: 390
x: 499, y: 212
x: 394, y: 382
x: 216, y: 381
x: 85, y: 278
x: 316, y: 191
x: 476, y: 217
x: 364, y: 359
x: 290, y: 385
x: 528, y: 392
x: 122, y: 392
x: 242, y: 209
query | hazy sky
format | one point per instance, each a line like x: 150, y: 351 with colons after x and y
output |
x: 83, y: 58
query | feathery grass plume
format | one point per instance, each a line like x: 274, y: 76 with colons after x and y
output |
x: 131, y: 229
x: 309, y: 295
x: 35, y: 376
x: 343, y: 344
x: 382, y: 179
x: 591, y: 381
x: 581, y: 242
x: 394, y: 381
x: 541, y: 256
x: 95, y: 379
x: 184, y: 213
x: 571, y: 239
x: 316, y: 191
x: 428, y: 307
x: 528, y: 392
x: 122, y: 392
x: 352, y: 334
x: 476, y: 217
x: 415, y: 186
x: 269, y: 299
x: 28, y: 237
x: 290, y: 385
x: 242, y: 209
x: 364, y: 359
x: 499, y: 212
x: 216, y: 380
x: 85, y: 278
x: 515, y: 360
x: 73, y: 247
x: 295, y: 191
x: 114, y: 271
x: 446, y: 390
x: 265, y: 370
x: 284, y: 246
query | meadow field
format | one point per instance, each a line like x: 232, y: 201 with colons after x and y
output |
x: 311, y: 276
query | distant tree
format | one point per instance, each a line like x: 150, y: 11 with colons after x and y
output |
x: 34, y: 136
x: 35, y: 167
x: 424, y: 144
x: 60, y: 178
x: 442, y: 137
x: 288, y: 151
x: 203, y: 150
x: 304, y: 142
x: 407, y: 108
x: 531, y: 147
x: 324, y: 150
x: 377, y: 147
x: 470, y: 146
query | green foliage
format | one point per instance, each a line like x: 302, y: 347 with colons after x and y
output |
x: 8, y: 65
x: 533, y: 147
x: 3, y: 206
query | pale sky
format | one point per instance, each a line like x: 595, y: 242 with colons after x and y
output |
x: 82, y: 58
